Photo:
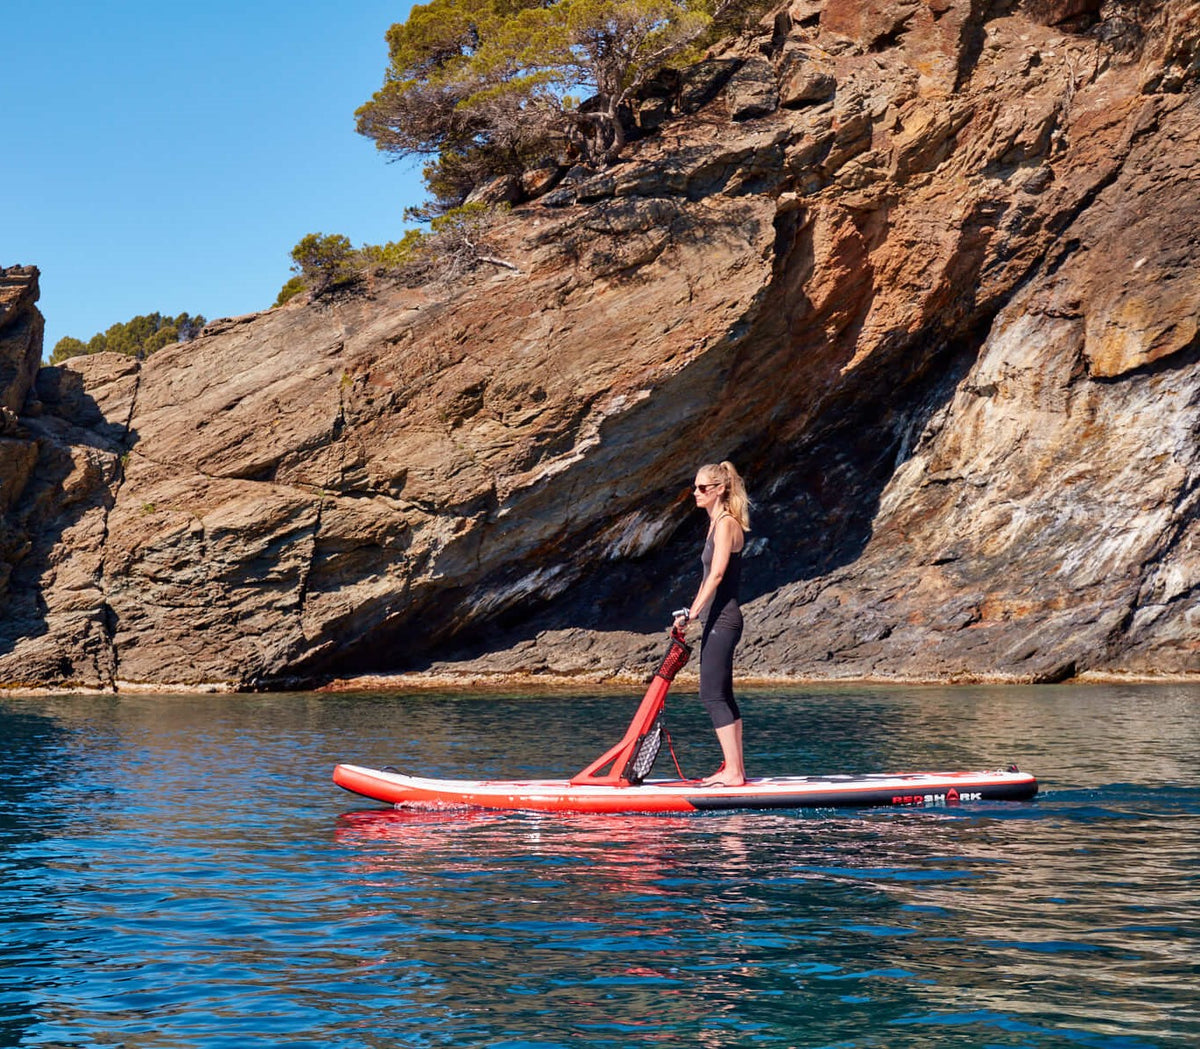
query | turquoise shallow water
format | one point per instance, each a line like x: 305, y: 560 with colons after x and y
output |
x: 180, y: 872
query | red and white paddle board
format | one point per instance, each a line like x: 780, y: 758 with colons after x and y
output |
x: 911, y: 789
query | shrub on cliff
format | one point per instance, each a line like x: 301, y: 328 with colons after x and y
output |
x: 455, y: 244
x: 321, y: 261
x: 489, y: 87
x: 393, y: 255
x: 458, y: 242
x: 138, y: 337
x: 291, y: 288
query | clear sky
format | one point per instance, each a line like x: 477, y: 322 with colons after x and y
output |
x: 163, y: 156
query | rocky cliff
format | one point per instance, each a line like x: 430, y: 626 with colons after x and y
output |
x: 925, y: 269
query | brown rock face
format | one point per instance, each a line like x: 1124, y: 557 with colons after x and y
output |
x: 21, y: 329
x: 927, y: 271
x: 59, y: 465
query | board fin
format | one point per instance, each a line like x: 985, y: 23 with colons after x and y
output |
x: 630, y: 760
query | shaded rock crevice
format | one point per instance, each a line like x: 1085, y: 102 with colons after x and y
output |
x: 108, y: 671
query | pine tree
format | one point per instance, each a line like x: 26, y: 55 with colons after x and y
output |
x: 139, y: 337
x: 323, y: 260
x: 493, y: 87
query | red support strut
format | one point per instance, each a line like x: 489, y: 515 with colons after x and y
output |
x: 618, y: 759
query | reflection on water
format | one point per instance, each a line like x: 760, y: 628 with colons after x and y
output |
x: 179, y: 871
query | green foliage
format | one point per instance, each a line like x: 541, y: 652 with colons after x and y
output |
x: 292, y: 288
x: 455, y: 244
x: 68, y: 347
x: 393, y: 255
x: 139, y: 337
x: 322, y: 261
x: 462, y: 220
x: 488, y: 87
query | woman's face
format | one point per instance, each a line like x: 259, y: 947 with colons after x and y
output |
x: 707, y: 490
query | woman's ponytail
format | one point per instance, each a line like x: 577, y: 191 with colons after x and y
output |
x: 737, y: 502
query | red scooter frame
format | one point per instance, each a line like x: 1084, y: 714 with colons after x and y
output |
x: 620, y: 759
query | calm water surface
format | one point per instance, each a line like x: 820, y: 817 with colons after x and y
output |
x: 180, y: 872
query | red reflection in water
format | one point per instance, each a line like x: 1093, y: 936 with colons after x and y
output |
x: 634, y: 849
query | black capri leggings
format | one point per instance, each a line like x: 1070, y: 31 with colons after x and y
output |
x: 720, y: 638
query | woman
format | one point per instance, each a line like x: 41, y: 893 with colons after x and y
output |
x: 720, y: 492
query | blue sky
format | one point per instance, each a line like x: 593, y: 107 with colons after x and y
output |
x: 167, y: 156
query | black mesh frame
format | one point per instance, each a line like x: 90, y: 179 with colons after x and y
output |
x: 645, y: 753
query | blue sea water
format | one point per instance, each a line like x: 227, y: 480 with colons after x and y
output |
x: 179, y: 871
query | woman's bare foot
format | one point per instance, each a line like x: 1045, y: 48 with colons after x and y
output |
x: 731, y: 772
x: 723, y: 778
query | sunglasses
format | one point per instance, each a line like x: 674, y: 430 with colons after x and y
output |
x: 706, y: 487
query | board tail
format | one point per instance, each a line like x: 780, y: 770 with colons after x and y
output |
x: 631, y: 759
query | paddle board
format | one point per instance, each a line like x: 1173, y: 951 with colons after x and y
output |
x: 902, y: 790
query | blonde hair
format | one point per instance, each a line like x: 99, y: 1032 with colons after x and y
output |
x: 737, y: 502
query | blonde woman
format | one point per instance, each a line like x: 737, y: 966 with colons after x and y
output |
x: 720, y: 492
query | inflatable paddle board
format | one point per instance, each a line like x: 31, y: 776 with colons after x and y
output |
x: 915, y: 789
x: 616, y: 781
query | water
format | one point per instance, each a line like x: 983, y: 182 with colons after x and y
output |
x: 180, y: 872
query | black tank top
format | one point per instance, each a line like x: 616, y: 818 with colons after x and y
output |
x: 724, y: 605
